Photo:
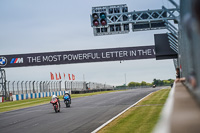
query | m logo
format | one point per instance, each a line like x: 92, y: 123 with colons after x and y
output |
x: 3, y: 61
x: 16, y: 60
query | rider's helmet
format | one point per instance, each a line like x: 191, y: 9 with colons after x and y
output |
x: 66, y: 92
x: 54, y: 96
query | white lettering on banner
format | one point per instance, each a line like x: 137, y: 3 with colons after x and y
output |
x: 75, y: 57
x: 34, y: 59
x: 88, y: 56
x: 97, y: 56
x: 85, y: 56
x: 125, y: 53
x: 107, y: 54
x: 51, y: 58
x: 154, y: 52
x: 144, y: 52
x: 102, y: 55
x: 133, y: 53
x: 149, y: 51
x: 78, y: 57
x: 64, y: 57
x: 81, y: 56
x: 69, y: 57
x: 114, y: 54
x: 121, y: 54
x: 20, y: 60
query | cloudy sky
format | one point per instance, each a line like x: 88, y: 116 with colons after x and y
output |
x: 34, y: 26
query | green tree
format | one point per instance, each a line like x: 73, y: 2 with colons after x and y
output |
x: 159, y: 82
x: 155, y: 82
x: 149, y: 84
x: 132, y: 84
x: 138, y: 84
x: 143, y: 83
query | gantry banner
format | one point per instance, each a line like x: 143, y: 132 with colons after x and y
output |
x: 79, y: 56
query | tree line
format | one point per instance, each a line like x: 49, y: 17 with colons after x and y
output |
x: 156, y: 82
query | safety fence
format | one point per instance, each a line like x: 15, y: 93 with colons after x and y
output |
x: 24, y: 87
x: 36, y: 89
x: 35, y: 95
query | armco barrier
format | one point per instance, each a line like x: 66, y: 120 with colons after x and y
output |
x: 36, y: 95
x: 22, y: 96
x: 1, y: 99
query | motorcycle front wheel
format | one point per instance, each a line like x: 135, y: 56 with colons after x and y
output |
x: 55, y: 109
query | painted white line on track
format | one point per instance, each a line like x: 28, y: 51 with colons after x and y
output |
x: 99, y: 128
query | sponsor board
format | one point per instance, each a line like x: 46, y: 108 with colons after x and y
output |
x: 79, y: 56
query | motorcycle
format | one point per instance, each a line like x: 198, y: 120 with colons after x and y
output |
x: 56, y: 104
x: 67, y: 100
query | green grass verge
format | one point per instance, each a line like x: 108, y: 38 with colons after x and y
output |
x: 139, y: 119
x: 13, y: 105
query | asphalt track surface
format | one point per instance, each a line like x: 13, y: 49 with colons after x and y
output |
x: 85, y: 114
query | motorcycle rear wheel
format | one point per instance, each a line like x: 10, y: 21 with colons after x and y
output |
x: 68, y: 105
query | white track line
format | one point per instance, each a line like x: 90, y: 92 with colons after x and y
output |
x: 99, y: 128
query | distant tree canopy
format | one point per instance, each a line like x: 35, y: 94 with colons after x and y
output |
x: 159, y: 82
x: 156, y: 82
x: 143, y: 83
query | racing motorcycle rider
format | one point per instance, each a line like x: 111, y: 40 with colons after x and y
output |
x: 66, y: 93
x: 54, y: 96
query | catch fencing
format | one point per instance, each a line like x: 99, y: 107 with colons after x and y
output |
x: 28, y: 87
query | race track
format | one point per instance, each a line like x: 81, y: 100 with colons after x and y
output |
x: 85, y: 114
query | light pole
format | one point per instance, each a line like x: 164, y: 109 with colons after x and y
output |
x: 125, y: 78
